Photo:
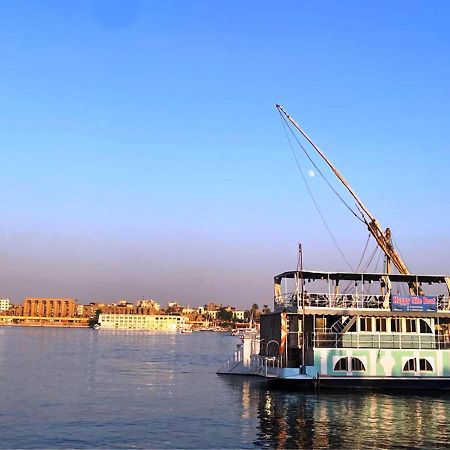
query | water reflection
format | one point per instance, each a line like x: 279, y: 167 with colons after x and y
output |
x: 77, y: 388
x: 345, y: 420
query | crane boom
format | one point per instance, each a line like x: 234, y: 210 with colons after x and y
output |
x: 383, y: 238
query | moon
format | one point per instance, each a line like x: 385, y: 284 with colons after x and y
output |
x: 311, y: 173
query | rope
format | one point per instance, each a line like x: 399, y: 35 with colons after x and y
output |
x: 370, y: 259
x: 312, y: 196
x: 378, y: 261
x: 396, y: 246
x: 364, y: 252
x: 286, y: 126
x: 364, y: 269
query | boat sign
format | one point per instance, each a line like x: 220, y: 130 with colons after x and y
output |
x: 414, y: 303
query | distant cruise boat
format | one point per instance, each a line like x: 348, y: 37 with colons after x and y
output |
x: 353, y: 329
x: 141, y: 322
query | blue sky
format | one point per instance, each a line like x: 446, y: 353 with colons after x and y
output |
x: 142, y: 153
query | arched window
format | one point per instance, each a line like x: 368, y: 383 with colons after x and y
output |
x: 410, y: 365
x: 357, y: 365
x: 424, y: 327
x: 424, y: 365
x: 341, y: 365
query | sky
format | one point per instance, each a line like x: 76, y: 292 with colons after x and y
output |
x: 142, y: 154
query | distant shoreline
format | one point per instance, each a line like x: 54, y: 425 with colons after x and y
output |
x: 42, y: 325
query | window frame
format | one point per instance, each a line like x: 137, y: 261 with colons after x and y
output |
x: 366, y: 321
x: 355, y: 358
x: 414, y: 369
x: 343, y: 358
x: 417, y: 365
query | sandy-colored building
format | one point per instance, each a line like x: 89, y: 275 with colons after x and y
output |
x: 49, y: 307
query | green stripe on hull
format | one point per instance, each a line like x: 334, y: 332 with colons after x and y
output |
x: 382, y: 362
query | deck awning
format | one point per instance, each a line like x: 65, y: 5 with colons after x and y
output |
x: 349, y: 276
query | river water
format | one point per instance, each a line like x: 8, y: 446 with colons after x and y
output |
x: 81, y: 388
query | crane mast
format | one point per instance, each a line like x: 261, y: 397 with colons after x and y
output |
x: 383, y: 238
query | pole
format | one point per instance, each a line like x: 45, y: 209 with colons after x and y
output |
x: 300, y: 250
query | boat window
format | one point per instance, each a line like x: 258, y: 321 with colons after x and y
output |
x: 424, y: 327
x: 365, y: 324
x: 410, y: 325
x: 321, y: 323
x: 357, y: 365
x: 341, y: 365
x: 396, y: 326
x: 380, y: 324
x: 424, y: 365
x: 410, y: 365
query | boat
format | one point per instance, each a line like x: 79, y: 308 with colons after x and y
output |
x: 250, y: 329
x: 352, y: 329
x: 141, y: 322
x: 186, y: 330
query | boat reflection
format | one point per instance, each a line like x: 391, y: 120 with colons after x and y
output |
x: 345, y: 420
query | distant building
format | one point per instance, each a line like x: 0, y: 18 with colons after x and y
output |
x: 173, y: 308
x: 49, y: 307
x: 212, y: 315
x: 79, y: 310
x: 213, y: 307
x: 89, y: 311
x: 4, y: 304
x: 238, y: 314
x: 13, y: 310
x: 149, y: 303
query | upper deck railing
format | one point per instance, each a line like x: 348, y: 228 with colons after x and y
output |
x: 293, y: 301
x: 378, y: 340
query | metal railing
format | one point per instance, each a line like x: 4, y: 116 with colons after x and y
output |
x: 266, y: 366
x: 231, y: 363
x: 345, y: 301
x: 378, y: 340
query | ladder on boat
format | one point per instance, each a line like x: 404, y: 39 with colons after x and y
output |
x: 343, y: 324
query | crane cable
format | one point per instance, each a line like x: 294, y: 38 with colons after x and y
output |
x: 287, y: 126
x: 285, y: 122
x: 366, y: 264
x: 369, y: 261
x: 364, y: 252
x: 396, y: 246
x: 375, y: 268
x: 311, y: 194
x: 378, y: 261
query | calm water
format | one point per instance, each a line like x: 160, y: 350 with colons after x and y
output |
x: 81, y: 388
